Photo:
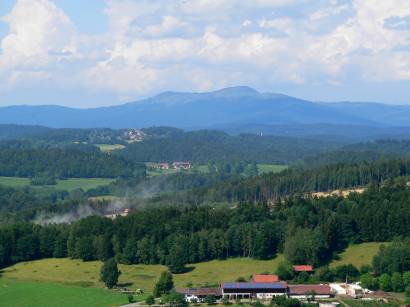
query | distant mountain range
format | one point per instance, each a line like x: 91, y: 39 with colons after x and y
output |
x: 236, y: 109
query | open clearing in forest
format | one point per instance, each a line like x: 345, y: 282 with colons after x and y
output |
x: 109, y: 147
x: 271, y: 168
x: 67, y: 184
x: 358, y: 254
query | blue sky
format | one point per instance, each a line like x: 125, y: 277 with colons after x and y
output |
x: 103, y: 52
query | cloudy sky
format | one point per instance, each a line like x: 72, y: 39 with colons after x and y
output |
x: 102, y: 52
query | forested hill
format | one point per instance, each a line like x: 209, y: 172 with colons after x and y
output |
x: 64, y: 163
x: 361, y: 152
x: 205, y: 145
x: 271, y: 187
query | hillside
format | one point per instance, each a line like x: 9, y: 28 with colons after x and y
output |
x: 205, y: 145
x: 229, y: 106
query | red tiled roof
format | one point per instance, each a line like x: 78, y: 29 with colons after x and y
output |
x: 305, y: 289
x: 265, y: 278
x: 303, y: 268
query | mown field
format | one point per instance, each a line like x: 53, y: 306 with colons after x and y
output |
x: 68, y: 184
x: 358, y: 255
x: 109, y: 147
x: 270, y: 168
x: 69, y: 280
x: 39, y: 294
x: 79, y: 273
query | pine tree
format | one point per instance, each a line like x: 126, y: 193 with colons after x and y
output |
x: 110, y: 273
x: 164, y: 284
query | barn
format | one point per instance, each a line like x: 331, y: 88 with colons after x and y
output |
x: 306, y: 291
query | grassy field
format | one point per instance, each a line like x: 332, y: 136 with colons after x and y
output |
x: 270, y: 168
x: 109, y: 147
x: 86, y: 274
x: 358, y: 255
x: 26, y: 293
x: 68, y: 184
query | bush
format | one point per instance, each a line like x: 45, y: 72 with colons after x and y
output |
x: 349, y: 272
x: 150, y: 300
x: 369, y: 282
x: 175, y: 299
x: 408, y: 291
x: 225, y: 301
x: 397, y: 282
x: 210, y: 299
x: 385, y: 282
x: 130, y: 298
x: 406, y: 278
x: 285, y: 271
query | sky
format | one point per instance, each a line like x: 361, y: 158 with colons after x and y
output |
x: 105, y: 52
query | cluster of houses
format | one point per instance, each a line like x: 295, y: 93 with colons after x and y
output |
x: 175, y: 165
x: 266, y: 286
x: 133, y: 135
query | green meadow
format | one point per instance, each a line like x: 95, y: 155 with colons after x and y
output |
x: 72, y: 282
x: 109, y: 147
x: 271, y: 168
x: 358, y: 254
x: 18, y: 293
x: 78, y: 273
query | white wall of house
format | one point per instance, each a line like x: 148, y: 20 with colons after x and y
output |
x: 304, y: 296
x: 267, y: 296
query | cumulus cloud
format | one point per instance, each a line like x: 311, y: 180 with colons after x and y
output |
x: 40, y: 37
x: 152, y: 45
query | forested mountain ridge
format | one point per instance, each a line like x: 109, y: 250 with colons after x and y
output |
x: 236, y: 105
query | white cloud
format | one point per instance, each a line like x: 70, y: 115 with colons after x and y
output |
x: 153, y: 45
x: 40, y: 37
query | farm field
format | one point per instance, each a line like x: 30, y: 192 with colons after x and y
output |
x: 68, y: 184
x: 78, y: 273
x: 37, y: 294
x: 109, y: 147
x: 270, y: 168
x: 358, y: 254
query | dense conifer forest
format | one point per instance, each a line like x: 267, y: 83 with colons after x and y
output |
x: 307, y: 230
